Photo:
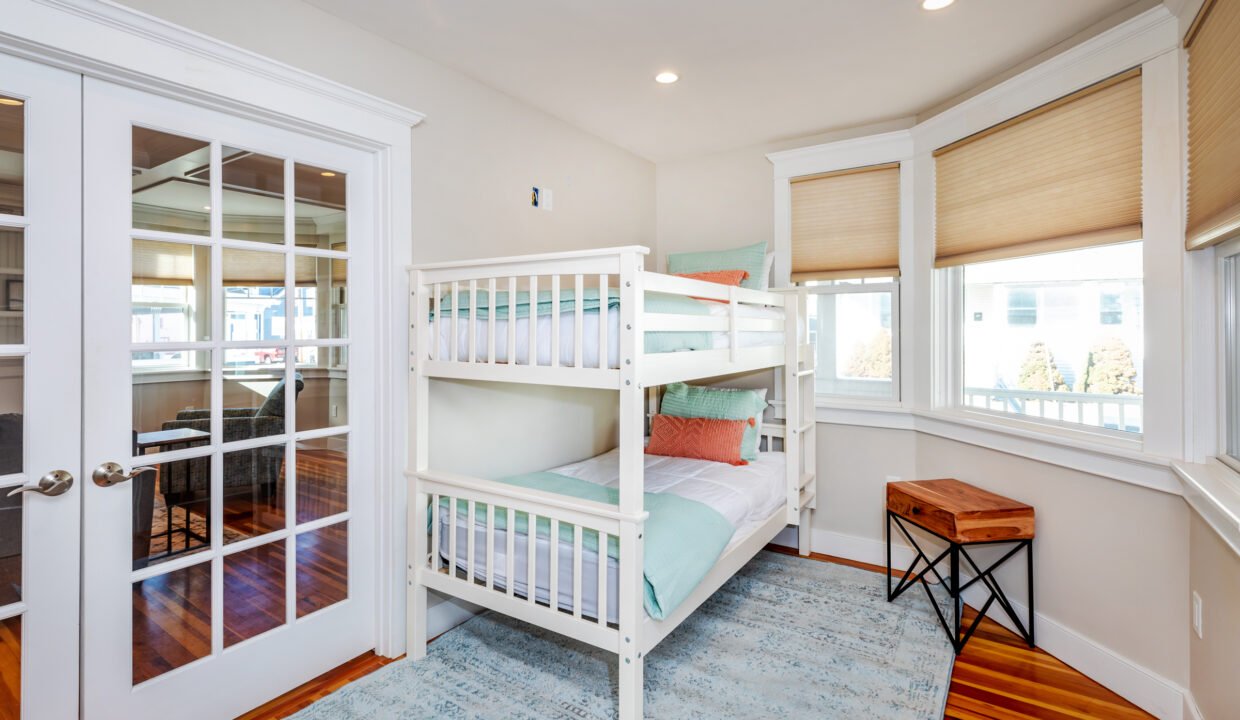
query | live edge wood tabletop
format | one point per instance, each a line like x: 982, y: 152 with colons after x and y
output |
x: 959, y: 511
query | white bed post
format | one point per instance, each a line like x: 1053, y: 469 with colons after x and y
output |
x: 419, y: 345
x: 632, y: 485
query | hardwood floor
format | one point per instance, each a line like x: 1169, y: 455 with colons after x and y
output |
x: 996, y: 677
x: 10, y: 668
x: 172, y: 612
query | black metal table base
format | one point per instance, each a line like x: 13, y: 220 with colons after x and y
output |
x: 953, y: 554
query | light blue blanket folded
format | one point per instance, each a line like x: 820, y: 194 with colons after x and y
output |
x: 683, y: 538
x: 655, y: 303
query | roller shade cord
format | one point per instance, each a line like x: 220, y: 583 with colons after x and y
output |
x: 1112, y: 236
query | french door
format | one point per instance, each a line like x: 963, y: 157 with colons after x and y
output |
x: 228, y: 403
x: 40, y: 389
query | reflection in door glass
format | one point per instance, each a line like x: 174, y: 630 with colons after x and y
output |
x: 13, y: 284
x: 325, y: 400
x: 322, y: 477
x: 320, y: 207
x: 171, y: 410
x: 322, y: 568
x: 10, y: 548
x: 171, y: 292
x: 11, y: 668
x: 254, y: 397
x: 171, y: 510
x: 171, y: 183
x: 253, y: 196
x: 321, y: 306
x: 171, y: 621
x: 253, y: 493
x: 12, y: 155
x: 253, y: 592
x: 12, y: 390
x: 253, y: 295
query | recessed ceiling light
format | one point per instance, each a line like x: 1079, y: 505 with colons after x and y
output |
x: 666, y: 77
x: 11, y: 101
x: 328, y: 173
x: 936, y: 4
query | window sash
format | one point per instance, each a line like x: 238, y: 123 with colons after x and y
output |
x: 950, y: 388
x: 865, y: 286
x: 1230, y: 313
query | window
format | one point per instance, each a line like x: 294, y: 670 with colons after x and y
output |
x: 1022, y: 306
x: 161, y: 314
x: 851, y: 325
x: 1231, y: 359
x: 1074, y: 364
x: 1111, y: 309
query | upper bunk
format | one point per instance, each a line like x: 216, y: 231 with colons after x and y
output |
x: 597, y: 319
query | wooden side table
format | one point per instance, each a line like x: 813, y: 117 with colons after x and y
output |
x: 961, y: 515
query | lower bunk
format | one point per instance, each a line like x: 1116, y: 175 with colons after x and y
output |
x: 682, y: 541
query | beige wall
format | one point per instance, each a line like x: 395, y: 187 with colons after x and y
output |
x: 727, y: 199
x: 1214, y: 573
x: 478, y: 152
x: 1110, y: 556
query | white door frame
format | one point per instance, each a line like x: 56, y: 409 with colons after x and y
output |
x: 110, y: 42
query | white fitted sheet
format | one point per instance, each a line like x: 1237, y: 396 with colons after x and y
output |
x: 745, y: 495
x: 589, y: 332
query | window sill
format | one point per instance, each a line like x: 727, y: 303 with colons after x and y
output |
x: 1212, y: 490
x: 1114, y: 458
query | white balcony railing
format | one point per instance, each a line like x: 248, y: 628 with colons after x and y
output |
x: 1114, y: 412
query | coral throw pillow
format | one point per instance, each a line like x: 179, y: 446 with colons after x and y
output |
x: 723, y: 277
x: 698, y: 438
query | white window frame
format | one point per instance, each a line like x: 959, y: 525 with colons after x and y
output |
x: 1228, y: 309
x: 951, y: 306
x: 893, y: 287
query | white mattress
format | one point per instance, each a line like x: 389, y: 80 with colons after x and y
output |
x: 589, y: 331
x: 745, y: 495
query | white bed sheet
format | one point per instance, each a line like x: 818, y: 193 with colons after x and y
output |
x: 589, y: 332
x: 744, y: 495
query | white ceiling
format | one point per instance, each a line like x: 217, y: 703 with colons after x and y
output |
x: 752, y: 71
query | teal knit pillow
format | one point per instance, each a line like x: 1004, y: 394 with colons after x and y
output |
x: 751, y: 258
x: 684, y: 400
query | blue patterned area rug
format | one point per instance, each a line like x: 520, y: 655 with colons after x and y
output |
x: 786, y: 637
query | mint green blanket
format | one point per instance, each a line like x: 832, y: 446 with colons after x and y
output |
x: 656, y: 342
x: 683, y: 538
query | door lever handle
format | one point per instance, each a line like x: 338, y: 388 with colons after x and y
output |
x: 57, y: 482
x: 110, y: 473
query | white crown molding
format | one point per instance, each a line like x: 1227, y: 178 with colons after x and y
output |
x: 102, y: 39
x: 1127, y: 45
x: 885, y: 147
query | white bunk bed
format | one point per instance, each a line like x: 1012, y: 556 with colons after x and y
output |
x: 460, y: 329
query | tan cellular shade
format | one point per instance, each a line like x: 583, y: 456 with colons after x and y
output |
x: 1214, y: 124
x: 1065, y: 175
x: 846, y: 224
x: 164, y: 263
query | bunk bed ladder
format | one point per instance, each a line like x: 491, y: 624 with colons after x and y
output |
x: 800, y: 433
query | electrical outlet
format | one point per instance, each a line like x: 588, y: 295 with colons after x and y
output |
x: 335, y: 410
x: 1197, y: 614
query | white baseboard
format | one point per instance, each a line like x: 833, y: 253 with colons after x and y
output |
x: 1191, y: 711
x: 1145, y: 689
